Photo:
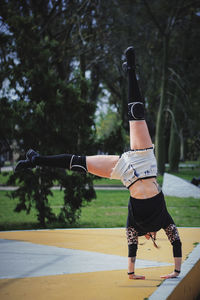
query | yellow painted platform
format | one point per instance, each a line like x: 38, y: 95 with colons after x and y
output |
x: 94, y: 285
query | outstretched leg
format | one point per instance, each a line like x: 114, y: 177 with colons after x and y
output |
x: 100, y: 165
x: 139, y: 133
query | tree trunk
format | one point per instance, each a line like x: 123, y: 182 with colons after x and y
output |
x: 174, y: 143
x: 182, y: 146
x: 41, y: 204
x: 160, y: 123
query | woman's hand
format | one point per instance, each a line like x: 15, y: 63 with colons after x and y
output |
x: 149, y: 234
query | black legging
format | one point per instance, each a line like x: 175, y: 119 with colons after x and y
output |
x: 171, y: 232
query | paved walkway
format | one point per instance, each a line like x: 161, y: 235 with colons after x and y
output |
x: 178, y: 187
x: 82, y: 264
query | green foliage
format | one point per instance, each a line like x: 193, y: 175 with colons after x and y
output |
x: 75, y: 197
x: 108, y: 210
x: 51, y: 114
x: 33, y: 191
x: 174, y: 142
x: 48, y: 102
x: 109, y: 129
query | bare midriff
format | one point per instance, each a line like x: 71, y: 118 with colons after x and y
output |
x: 144, y: 188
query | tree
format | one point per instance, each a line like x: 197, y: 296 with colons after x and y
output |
x: 109, y: 129
x: 51, y: 114
x: 167, y: 18
x: 60, y: 55
x: 174, y: 142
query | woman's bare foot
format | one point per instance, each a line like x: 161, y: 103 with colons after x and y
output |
x: 133, y: 276
x: 171, y: 275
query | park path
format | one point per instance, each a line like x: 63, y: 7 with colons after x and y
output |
x: 91, y: 264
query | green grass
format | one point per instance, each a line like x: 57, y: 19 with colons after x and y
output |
x: 109, y: 209
x: 185, y: 211
x: 4, y: 176
x: 113, y: 182
x: 106, y: 181
x: 187, y: 173
x: 12, y: 220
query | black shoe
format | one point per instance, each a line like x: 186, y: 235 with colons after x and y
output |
x: 31, y: 154
x: 28, y: 163
x: 24, y: 164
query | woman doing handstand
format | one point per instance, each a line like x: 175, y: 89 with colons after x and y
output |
x: 137, y: 169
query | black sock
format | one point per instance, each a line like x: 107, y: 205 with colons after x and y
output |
x: 66, y: 161
x: 134, y: 94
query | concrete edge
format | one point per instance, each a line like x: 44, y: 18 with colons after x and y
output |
x: 184, y: 287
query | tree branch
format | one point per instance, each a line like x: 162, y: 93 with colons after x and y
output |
x: 153, y: 17
x: 50, y: 16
